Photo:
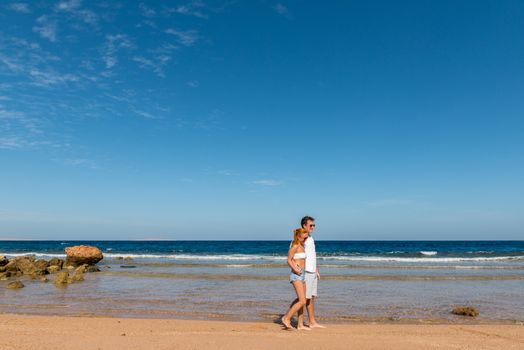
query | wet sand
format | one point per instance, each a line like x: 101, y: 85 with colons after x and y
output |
x: 24, y: 332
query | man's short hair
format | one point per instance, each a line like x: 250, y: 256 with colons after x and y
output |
x: 305, y: 219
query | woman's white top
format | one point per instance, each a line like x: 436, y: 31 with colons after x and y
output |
x: 299, y: 256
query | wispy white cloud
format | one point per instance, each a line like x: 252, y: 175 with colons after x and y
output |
x: 268, y: 182
x: 10, y: 142
x: 193, y: 8
x: 281, y: 9
x: 43, y: 98
x: 143, y: 62
x: 31, y: 65
x: 145, y: 114
x: 46, y: 27
x: 165, y: 48
x: 81, y: 162
x: 193, y: 83
x: 389, y: 202
x: 211, y: 121
x: 16, y: 142
x: 113, y: 44
x: 147, y: 22
x: 68, y: 5
x: 24, y: 44
x: 227, y: 172
x: 51, y: 77
x: 5, y: 114
x: 184, y: 37
x: 11, y: 64
x: 21, y: 7
x: 156, y: 64
x: 20, y: 55
x: 146, y: 10
x: 73, y: 7
x: 16, y: 121
x: 87, y: 16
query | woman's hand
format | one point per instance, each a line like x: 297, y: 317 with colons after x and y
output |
x: 299, y: 269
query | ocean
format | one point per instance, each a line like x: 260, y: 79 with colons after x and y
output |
x: 380, y: 281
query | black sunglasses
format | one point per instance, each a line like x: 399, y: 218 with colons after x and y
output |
x: 312, y: 225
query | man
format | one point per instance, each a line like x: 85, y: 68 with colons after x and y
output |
x: 312, y: 274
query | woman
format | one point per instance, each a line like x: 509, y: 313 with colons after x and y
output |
x: 296, y: 259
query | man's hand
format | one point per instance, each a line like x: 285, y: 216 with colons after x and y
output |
x: 318, y: 274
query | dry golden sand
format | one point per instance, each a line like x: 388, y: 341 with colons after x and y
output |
x: 24, y: 332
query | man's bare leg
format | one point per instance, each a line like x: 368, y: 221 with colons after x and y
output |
x: 310, y: 306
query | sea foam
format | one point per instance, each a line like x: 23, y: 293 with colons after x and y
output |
x: 428, y: 257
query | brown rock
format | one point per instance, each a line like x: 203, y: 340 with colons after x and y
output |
x: 3, y: 261
x: 78, y: 277
x: 25, y: 264
x: 466, y: 311
x: 11, y: 266
x: 79, y: 273
x: 61, y: 278
x: 41, y: 267
x: 56, y: 262
x: 44, y: 279
x: 82, y: 254
x: 81, y: 269
x: 4, y: 275
x: 3, y: 268
x: 15, y: 285
x: 92, y: 268
x: 53, y: 268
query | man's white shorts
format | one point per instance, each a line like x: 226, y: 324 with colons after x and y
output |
x: 311, y: 284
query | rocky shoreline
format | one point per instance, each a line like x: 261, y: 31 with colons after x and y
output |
x: 79, y: 260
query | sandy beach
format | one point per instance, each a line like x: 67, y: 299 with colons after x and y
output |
x: 24, y: 332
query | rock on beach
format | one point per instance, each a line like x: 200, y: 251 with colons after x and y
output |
x: 82, y: 254
x: 466, y: 311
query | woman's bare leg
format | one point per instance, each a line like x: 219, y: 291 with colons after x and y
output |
x: 300, y: 318
x: 300, y: 289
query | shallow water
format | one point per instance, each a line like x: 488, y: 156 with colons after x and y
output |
x: 250, y: 284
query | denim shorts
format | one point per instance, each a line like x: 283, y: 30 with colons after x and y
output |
x: 294, y: 277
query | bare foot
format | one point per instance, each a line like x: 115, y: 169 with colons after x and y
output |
x: 286, y: 324
x: 303, y: 328
x: 316, y: 325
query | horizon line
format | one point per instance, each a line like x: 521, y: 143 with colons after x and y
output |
x: 254, y: 240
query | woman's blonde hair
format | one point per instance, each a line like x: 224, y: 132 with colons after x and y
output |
x: 296, y: 235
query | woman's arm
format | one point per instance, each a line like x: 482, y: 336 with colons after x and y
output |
x: 290, y: 262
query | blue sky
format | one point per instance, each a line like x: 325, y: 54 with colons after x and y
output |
x: 232, y: 119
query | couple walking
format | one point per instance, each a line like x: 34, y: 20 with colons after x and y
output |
x: 304, y: 276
